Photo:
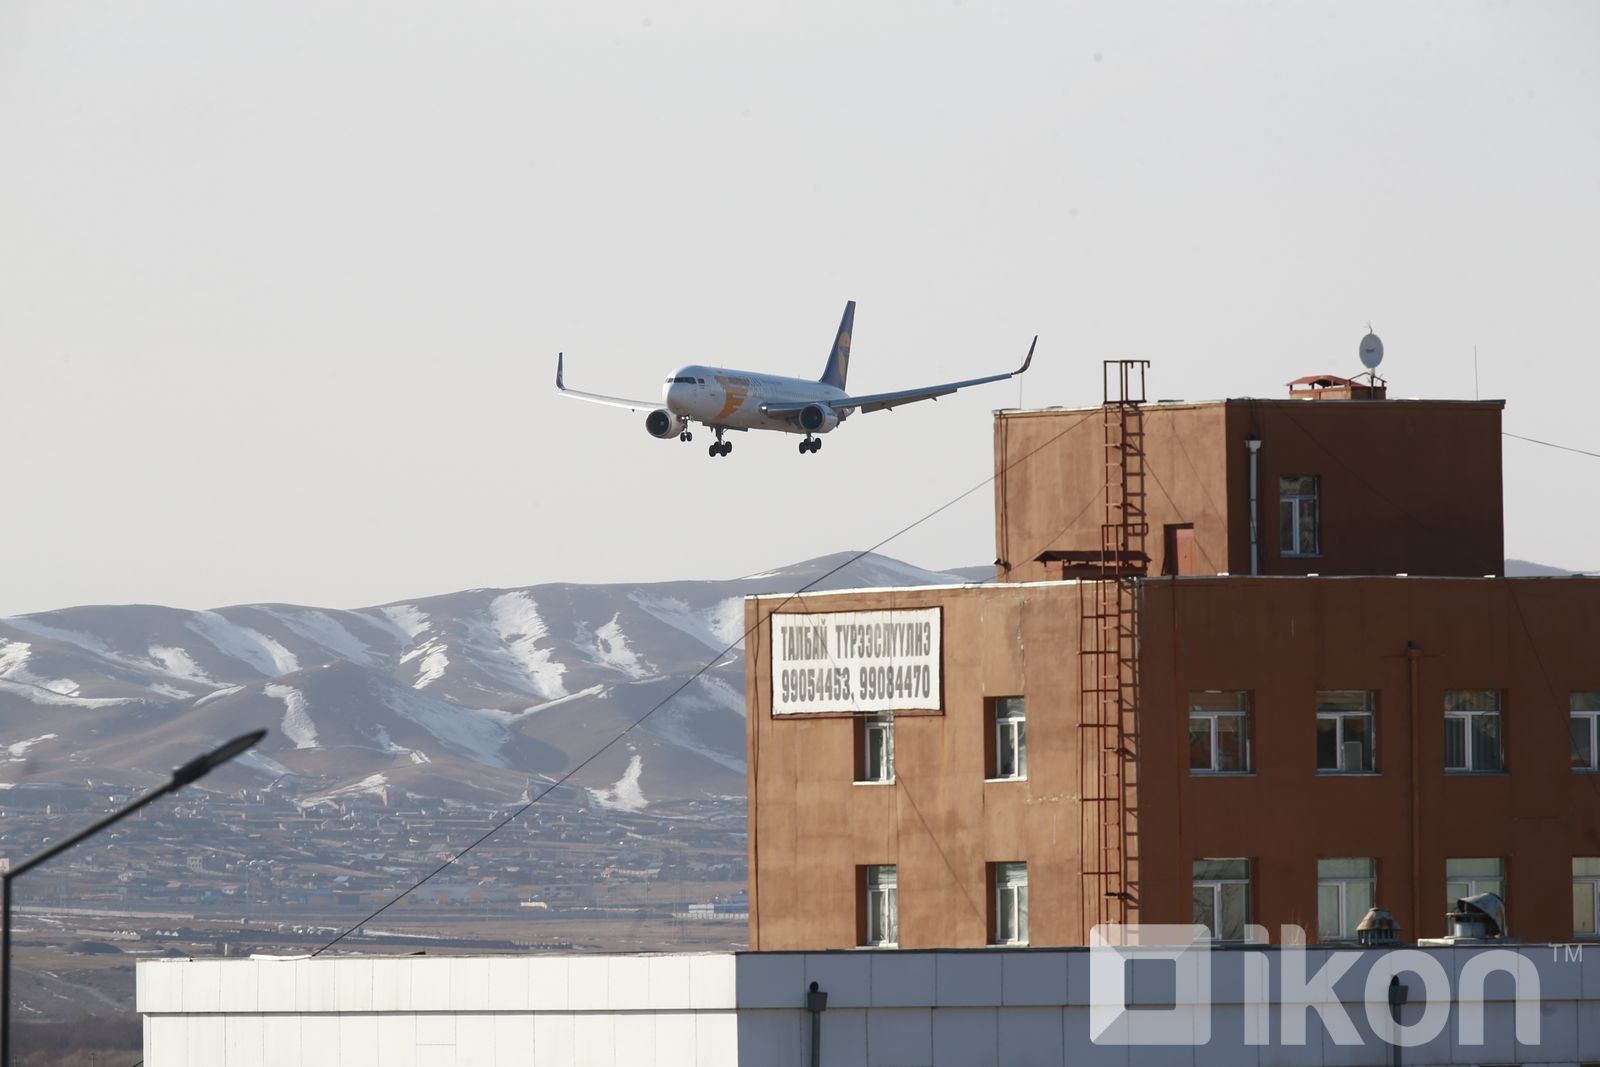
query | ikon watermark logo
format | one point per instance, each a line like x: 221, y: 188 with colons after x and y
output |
x: 1185, y: 1018
x: 1152, y: 985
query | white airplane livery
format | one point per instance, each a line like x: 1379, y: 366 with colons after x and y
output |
x: 724, y: 400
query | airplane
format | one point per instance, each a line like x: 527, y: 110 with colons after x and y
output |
x: 724, y: 400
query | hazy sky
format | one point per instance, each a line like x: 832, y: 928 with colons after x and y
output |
x: 282, y: 284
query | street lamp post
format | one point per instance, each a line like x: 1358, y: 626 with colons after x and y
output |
x: 195, y: 769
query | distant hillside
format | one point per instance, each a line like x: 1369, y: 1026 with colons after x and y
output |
x: 1521, y: 568
x: 471, y: 695
x: 474, y: 695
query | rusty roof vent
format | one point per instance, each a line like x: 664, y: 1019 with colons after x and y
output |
x: 1378, y: 929
x: 1366, y: 386
x: 1481, y: 916
x: 1333, y: 387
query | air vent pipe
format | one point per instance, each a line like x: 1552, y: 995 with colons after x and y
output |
x: 1253, y: 443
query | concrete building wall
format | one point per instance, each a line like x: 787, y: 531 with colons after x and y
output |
x: 1017, y: 1008
x: 1407, y: 487
x: 1050, y: 484
x: 1532, y: 640
x: 940, y: 822
x: 530, y: 1011
x: 1280, y: 640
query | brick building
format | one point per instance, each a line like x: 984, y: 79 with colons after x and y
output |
x: 1244, y: 662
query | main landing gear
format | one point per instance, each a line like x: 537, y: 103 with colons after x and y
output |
x: 810, y: 444
x: 721, y: 448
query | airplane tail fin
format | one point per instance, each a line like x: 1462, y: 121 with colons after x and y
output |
x: 838, y: 367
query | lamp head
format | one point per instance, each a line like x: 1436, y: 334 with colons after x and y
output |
x: 201, y: 766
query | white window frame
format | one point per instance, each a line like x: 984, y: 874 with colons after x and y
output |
x: 1339, y: 717
x: 1467, y: 718
x: 883, y: 906
x: 1010, y: 737
x: 1293, y: 502
x: 1586, y: 709
x: 1011, y: 888
x: 883, y: 727
x: 1343, y: 882
x: 1216, y: 886
x: 1474, y: 883
x: 1212, y: 717
x: 1591, y: 882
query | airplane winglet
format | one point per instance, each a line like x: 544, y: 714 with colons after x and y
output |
x: 1029, y: 361
x: 563, y: 385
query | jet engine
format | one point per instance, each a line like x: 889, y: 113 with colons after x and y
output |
x: 663, y: 424
x: 818, y: 418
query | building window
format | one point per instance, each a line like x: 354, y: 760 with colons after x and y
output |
x: 1299, y: 515
x: 1010, y: 903
x: 875, y: 748
x: 1219, y: 732
x: 1472, y: 730
x: 1585, y: 731
x: 1222, y: 897
x: 882, y: 906
x: 1009, y: 737
x: 1346, y: 889
x: 1468, y: 878
x: 1345, y: 732
x: 1585, y: 896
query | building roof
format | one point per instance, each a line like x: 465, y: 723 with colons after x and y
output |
x: 1282, y: 401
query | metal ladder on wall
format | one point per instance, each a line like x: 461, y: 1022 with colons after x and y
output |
x: 1108, y: 663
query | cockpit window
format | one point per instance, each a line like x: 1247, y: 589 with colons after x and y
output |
x: 684, y: 379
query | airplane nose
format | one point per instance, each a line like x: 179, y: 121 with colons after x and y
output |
x: 675, y: 395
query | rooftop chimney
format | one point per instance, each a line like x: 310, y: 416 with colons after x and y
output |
x: 1378, y: 929
x: 1333, y: 387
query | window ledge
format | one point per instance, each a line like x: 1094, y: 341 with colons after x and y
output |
x: 1299, y: 555
x: 1011, y: 778
x: 1476, y: 774
x: 1349, y: 774
x: 873, y: 781
x: 1221, y: 774
x: 884, y: 944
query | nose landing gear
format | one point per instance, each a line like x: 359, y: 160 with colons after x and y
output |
x: 686, y: 436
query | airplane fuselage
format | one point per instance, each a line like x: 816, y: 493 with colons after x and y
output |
x: 719, y: 396
x: 724, y: 399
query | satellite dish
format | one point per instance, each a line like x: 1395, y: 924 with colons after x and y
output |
x: 1371, y: 350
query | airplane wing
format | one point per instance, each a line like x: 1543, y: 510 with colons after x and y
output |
x: 881, y: 401
x: 596, y: 398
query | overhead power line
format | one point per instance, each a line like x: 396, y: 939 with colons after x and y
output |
x: 565, y: 777
x: 1550, y: 444
x: 713, y: 661
x: 597, y: 753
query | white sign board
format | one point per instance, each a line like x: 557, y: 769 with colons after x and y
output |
x: 856, y: 661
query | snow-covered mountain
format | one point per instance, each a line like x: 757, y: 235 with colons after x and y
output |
x: 470, y: 695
